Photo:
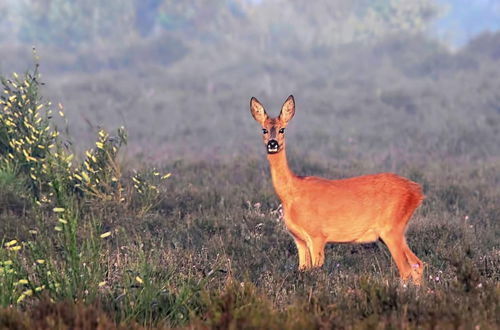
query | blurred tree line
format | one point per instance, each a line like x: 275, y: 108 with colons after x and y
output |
x: 322, y: 23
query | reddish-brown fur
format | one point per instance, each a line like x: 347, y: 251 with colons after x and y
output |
x: 359, y: 210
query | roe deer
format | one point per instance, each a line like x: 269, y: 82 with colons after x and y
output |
x: 360, y: 209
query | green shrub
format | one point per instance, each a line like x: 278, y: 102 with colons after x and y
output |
x: 62, y: 256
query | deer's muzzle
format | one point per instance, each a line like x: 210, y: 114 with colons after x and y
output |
x: 272, y: 146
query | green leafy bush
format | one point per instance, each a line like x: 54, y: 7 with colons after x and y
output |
x: 62, y: 255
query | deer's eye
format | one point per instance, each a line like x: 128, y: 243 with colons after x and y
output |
x: 265, y: 131
x: 282, y: 130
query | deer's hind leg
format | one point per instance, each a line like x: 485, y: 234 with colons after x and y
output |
x: 417, y: 266
x: 395, y: 242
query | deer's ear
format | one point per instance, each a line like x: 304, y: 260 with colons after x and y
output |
x: 258, y: 111
x: 288, y: 109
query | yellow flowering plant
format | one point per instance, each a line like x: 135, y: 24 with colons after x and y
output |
x: 62, y: 256
x: 26, y: 136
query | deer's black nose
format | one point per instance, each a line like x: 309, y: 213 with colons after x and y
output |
x: 272, y: 146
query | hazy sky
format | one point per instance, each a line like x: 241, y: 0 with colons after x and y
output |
x: 464, y: 19
x: 460, y: 21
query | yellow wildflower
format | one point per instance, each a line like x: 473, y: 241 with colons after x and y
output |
x: 21, y: 298
x: 10, y: 243
x: 85, y: 176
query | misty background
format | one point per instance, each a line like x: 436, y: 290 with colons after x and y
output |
x: 384, y: 82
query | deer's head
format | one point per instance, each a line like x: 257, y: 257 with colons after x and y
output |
x: 273, y: 129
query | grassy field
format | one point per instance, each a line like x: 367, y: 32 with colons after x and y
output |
x: 109, y: 239
x: 213, y: 253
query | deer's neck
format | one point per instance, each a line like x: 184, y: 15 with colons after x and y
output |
x: 283, y: 178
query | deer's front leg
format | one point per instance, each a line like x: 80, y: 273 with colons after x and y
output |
x: 304, y: 255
